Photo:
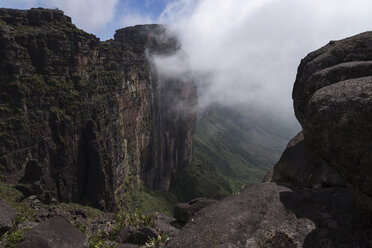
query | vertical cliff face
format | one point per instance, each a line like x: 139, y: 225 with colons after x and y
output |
x: 90, y: 118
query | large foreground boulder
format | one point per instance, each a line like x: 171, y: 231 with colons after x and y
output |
x: 333, y: 102
x: 272, y: 215
x: 56, y: 232
x: 300, y: 166
x: 7, y: 217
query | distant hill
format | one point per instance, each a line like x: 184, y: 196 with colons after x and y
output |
x: 232, y: 148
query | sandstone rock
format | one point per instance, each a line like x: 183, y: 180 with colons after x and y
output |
x: 137, y: 236
x: 167, y: 225
x: 300, y: 166
x: 273, y: 215
x: 183, y: 212
x: 56, y: 232
x: 332, y: 101
x: 338, y: 127
x: 338, y: 61
x: 7, y: 217
x: 85, y: 115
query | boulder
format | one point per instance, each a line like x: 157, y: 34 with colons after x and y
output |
x: 273, y: 215
x: 338, y: 127
x: 138, y: 236
x: 333, y: 101
x: 299, y: 165
x: 183, y: 212
x: 7, y: 217
x: 337, y: 61
x: 56, y: 232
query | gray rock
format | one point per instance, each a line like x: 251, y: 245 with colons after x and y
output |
x: 338, y: 61
x: 338, y: 127
x: 138, y: 236
x: 7, y: 217
x: 183, y: 212
x: 56, y: 232
x: 167, y: 225
x: 301, y: 166
x: 273, y: 215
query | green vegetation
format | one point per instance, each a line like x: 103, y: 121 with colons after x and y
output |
x: 144, y: 200
x: 14, y: 198
x: 232, y: 148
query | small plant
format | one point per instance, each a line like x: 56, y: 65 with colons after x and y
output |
x: 13, y: 236
x: 156, y: 242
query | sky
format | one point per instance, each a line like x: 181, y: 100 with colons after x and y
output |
x: 241, y: 52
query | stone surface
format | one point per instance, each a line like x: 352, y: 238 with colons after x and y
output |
x: 7, y: 217
x: 273, y: 215
x: 56, y: 232
x: 84, y: 120
x: 332, y: 101
x: 166, y: 225
x: 184, y: 212
x: 300, y: 166
x: 137, y: 236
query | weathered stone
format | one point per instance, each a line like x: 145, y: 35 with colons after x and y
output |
x: 7, y: 217
x: 138, y: 236
x: 273, y: 215
x: 86, y: 117
x: 332, y: 101
x: 183, y: 212
x: 56, y: 232
x: 300, y: 166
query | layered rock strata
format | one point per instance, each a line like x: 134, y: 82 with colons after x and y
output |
x: 80, y: 119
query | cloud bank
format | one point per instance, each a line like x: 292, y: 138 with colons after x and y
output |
x: 246, y: 52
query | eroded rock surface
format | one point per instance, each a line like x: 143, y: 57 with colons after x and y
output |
x: 7, y: 217
x: 56, y: 232
x: 300, y: 166
x: 184, y: 212
x: 273, y: 215
x: 81, y: 119
x: 333, y: 101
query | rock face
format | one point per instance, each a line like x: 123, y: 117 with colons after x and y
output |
x: 138, y: 236
x: 272, y: 215
x: 183, y: 212
x: 333, y: 101
x: 84, y: 120
x: 56, y: 232
x: 7, y: 217
x: 300, y: 166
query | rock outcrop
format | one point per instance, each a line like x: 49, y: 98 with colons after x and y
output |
x: 300, y: 166
x: 332, y: 98
x: 272, y: 215
x: 56, y: 232
x: 84, y: 120
x: 184, y: 212
x: 7, y: 217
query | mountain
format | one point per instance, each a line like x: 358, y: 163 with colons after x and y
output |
x: 233, y: 147
x: 86, y: 121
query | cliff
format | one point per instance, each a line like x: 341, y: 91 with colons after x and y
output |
x: 83, y: 120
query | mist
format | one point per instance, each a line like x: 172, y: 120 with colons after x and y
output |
x: 245, y: 53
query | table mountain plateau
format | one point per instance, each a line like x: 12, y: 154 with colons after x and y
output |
x: 83, y: 120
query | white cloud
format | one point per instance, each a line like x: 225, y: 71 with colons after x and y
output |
x: 246, y: 52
